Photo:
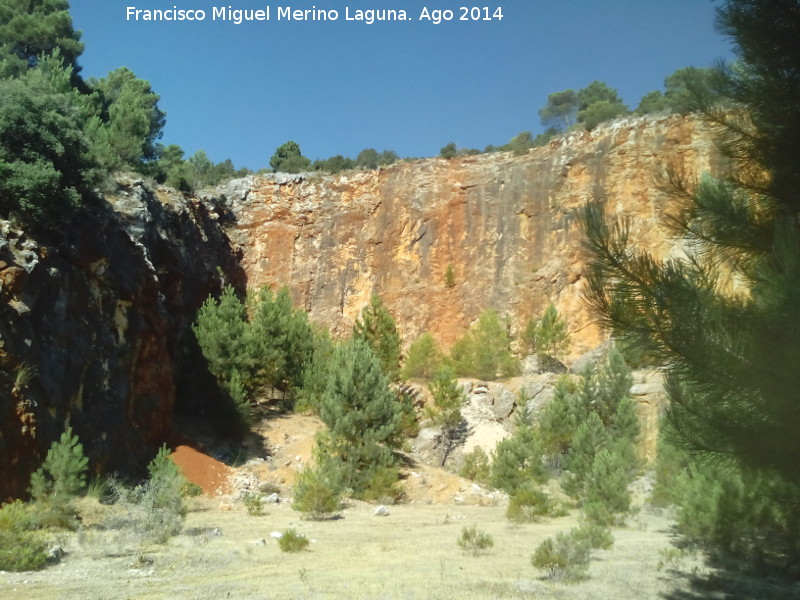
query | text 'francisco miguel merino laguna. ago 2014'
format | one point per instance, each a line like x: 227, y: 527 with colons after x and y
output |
x: 238, y: 16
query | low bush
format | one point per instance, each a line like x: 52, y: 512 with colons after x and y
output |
x: 474, y: 540
x: 529, y: 504
x: 291, y: 541
x: 317, y: 493
x: 565, y: 557
x: 21, y: 551
x: 254, y: 503
x: 476, y: 466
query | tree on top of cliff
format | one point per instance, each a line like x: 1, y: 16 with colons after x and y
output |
x: 128, y: 121
x: 560, y: 111
x: 35, y: 28
x: 598, y: 102
x: 730, y: 352
x: 681, y: 92
x: 377, y: 327
x: 289, y: 159
x: 46, y: 166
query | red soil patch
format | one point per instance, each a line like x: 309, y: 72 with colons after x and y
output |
x: 197, y: 466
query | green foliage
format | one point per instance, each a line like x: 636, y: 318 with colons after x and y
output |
x: 560, y: 111
x: 449, y: 151
x: 17, y: 516
x: 449, y: 277
x: 46, y: 170
x: 289, y: 159
x: 517, y: 460
x: 448, y: 398
x: 685, y: 90
x: 335, y: 164
x: 528, y: 504
x: 62, y: 476
x: 597, y: 103
x: 606, y: 495
x: 424, y: 358
x: 736, y: 514
x: 37, y: 28
x: 377, y: 327
x: 271, y: 349
x: 381, y: 485
x: 127, y: 120
x: 476, y: 466
x: 315, y: 375
x: 521, y: 143
x: 559, y: 418
x: 363, y: 415
x: 565, y: 557
x: 254, y: 503
x: 670, y: 463
x: 485, y: 350
x: 598, y: 536
x: 291, y: 541
x: 474, y: 540
x: 21, y: 551
x: 731, y: 354
x: 369, y: 158
x: 318, y: 491
x: 547, y: 337
x: 161, y: 508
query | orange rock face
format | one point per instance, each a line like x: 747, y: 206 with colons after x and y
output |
x: 508, y: 226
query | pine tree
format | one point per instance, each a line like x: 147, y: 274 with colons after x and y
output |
x: 518, y: 459
x: 485, y: 350
x: 731, y: 355
x: 424, y: 358
x: 362, y: 414
x: 448, y: 398
x: 547, y: 336
x: 377, y: 327
x: 731, y: 352
x: 62, y: 476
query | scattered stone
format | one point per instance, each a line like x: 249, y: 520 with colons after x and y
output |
x: 276, y: 535
x: 272, y: 499
x: 55, y: 553
x: 381, y: 511
x: 261, y: 542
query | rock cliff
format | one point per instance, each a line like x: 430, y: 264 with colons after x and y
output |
x: 506, y: 224
x: 94, y: 327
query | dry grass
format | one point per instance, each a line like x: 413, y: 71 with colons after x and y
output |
x: 411, y: 554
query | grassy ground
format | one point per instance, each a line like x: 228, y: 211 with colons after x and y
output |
x: 410, y: 554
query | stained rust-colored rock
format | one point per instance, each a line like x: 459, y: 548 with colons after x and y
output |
x: 507, y: 224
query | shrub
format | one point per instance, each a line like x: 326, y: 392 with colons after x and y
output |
x: 317, y: 492
x: 382, y: 486
x: 62, y: 476
x: 291, y: 541
x: 157, y: 509
x: 254, y: 504
x: 597, y: 536
x: 528, y: 503
x: 476, y: 466
x: 474, y: 540
x: 449, y: 277
x: 547, y: 336
x: 565, y: 557
x: 21, y: 551
x: 448, y: 398
x: 17, y: 516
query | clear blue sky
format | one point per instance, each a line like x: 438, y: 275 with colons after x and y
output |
x: 239, y: 91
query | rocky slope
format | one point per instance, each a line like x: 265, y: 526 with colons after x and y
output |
x: 506, y: 224
x: 94, y: 327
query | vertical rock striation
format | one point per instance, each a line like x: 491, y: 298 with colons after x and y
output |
x: 508, y: 226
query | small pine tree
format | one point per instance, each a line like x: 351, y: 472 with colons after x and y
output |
x: 546, y: 337
x: 377, y: 327
x: 62, y: 476
x: 559, y: 419
x: 424, y: 358
x: 485, y: 350
x: 318, y: 491
x: 221, y: 331
x: 363, y: 415
x: 590, y: 437
x: 606, y: 489
x: 476, y: 466
x: 517, y: 460
x: 448, y: 398
x: 449, y: 277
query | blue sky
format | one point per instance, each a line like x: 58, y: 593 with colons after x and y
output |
x: 239, y: 91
